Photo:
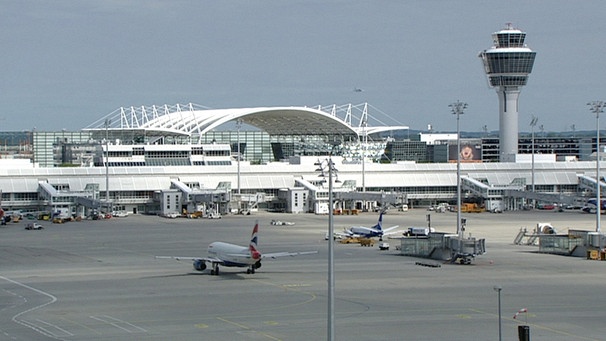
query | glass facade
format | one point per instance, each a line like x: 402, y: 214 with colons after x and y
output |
x: 259, y: 147
x: 510, y: 39
x: 60, y: 149
x: 509, y: 68
x: 55, y: 149
x: 406, y: 151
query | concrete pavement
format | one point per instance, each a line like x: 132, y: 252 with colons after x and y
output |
x: 99, y: 280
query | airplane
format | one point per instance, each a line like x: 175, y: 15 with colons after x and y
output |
x: 369, y: 232
x: 231, y: 255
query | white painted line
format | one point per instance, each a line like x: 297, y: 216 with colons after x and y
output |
x: 116, y: 323
x: 25, y: 323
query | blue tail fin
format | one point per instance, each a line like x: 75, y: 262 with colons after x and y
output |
x: 379, y: 225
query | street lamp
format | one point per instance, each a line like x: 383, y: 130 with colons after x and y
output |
x: 533, y: 122
x: 457, y: 108
x: 498, y: 289
x: 238, y: 125
x: 330, y: 168
x: 107, y: 123
x: 597, y: 107
x: 363, y: 151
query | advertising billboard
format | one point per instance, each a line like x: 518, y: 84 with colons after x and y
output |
x: 471, y: 151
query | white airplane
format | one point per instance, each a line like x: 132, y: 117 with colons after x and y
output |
x: 369, y: 232
x: 230, y: 255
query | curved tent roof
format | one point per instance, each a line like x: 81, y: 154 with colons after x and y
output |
x: 376, y: 130
x: 273, y: 120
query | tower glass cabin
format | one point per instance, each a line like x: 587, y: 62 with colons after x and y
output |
x: 507, y: 65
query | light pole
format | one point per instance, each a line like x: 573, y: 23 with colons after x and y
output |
x: 363, y: 153
x: 533, y: 122
x: 331, y: 270
x: 238, y: 125
x: 498, y: 289
x: 457, y: 109
x: 107, y: 123
x: 597, y: 107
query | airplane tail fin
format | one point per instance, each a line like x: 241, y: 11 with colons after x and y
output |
x: 252, y: 247
x: 379, y: 225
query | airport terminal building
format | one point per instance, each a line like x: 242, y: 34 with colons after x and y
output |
x: 174, y: 160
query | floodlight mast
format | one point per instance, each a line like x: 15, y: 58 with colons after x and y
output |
x: 533, y: 122
x: 458, y: 109
x: 108, y: 122
x: 329, y: 166
x: 238, y: 126
x: 597, y: 107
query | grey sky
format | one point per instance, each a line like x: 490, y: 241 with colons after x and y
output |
x: 66, y: 64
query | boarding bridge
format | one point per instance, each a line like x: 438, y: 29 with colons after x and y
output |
x: 54, y: 198
x: 515, y: 194
x: 181, y: 186
x: 589, y: 183
x: 545, y: 197
x: 484, y: 190
x: 385, y: 198
x: 197, y: 198
x: 443, y: 246
x: 348, y: 196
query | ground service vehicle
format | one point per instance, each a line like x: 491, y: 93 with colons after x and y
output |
x: 33, y: 226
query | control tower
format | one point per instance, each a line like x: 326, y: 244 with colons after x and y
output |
x: 507, y: 64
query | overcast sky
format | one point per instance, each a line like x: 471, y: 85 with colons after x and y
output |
x: 66, y: 64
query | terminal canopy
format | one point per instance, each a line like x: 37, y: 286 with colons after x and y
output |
x: 190, y: 120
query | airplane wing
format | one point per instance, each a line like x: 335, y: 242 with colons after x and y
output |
x: 193, y: 259
x: 348, y: 232
x: 287, y: 254
x: 345, y: 233
x: 391, y: 228
x: 392, y: 232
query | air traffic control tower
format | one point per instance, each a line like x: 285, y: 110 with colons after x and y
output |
x: 507, y: 64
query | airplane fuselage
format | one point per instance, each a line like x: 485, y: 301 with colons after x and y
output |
x: 365, y: 231
x: 232, y: 255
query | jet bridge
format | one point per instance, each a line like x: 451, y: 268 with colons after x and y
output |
x: 589, y: 183
x: 348, y: 196
x: 199, y: 199
x: 443, y: 246
x: 65, y: 199
x: 487, y: 191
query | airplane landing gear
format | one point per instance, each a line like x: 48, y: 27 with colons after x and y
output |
x: 215, y: 270
x: 250, y: 270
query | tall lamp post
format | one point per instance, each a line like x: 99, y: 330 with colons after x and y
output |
x: 107, y: 123
x: 331, y: 270
x: 331, y: 259
x: 597, y: 107
x: 458, y: 109
x: 498, y: 289
x: 364, y: 145
x: 238, y: 125
x: 533, y: 122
